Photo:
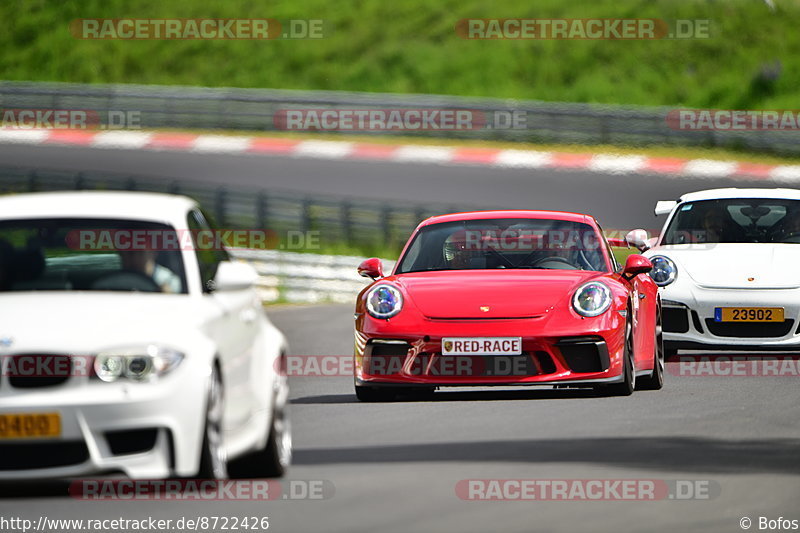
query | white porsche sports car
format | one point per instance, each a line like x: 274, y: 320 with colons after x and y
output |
x: 725, y: 263
x: 123, y: 356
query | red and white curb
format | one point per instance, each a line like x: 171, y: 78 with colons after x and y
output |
x: 409, y: 153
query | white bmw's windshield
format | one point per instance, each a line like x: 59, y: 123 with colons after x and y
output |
x: 86, y: 255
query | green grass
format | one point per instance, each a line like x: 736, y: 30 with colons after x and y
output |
x: 410, y: 46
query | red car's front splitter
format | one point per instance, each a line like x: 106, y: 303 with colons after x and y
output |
x: 587, y: 359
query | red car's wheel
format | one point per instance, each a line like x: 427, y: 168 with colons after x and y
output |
x: 655, y: 381
x: 628, y: 384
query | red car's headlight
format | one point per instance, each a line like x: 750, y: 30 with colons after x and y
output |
x: 384, y: 301
x: 592, y: 299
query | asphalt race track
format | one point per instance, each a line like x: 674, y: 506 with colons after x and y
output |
x: 395, y: 466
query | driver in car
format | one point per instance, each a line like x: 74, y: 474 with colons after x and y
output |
x: 457, y: 253
x: 144, y: 262
x: 789, y: 230
x: 717, y: 226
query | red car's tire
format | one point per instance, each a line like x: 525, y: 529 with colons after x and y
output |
x: 655, y: 381
x: 628, y: 384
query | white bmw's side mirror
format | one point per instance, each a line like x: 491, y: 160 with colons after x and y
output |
x: 234, y: 276
x: 665, y: 207
x: 638, y: 239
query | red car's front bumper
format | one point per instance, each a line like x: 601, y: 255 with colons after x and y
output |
x: 583, y: 353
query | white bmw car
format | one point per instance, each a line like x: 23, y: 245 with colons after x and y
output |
x: 725, y: 261
x: 128, y: 356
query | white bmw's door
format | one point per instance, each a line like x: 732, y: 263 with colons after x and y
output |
x: 234, y: 331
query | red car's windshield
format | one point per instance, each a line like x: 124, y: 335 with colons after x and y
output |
x: 505, y: 243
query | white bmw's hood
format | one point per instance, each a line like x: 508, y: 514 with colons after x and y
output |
x: 731, y: 266
x: 80, y: 322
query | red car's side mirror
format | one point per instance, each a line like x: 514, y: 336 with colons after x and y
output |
x: 371, y: 268
x: 636, y: 264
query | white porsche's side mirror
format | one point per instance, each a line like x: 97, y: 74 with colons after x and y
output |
x: 665, y: 207
x: 638, y: 239
x: 234, y: 276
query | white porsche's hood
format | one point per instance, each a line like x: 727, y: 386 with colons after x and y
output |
x: 731, y: 266
x: 79, y: 322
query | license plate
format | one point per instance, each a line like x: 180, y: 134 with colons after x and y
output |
x: 482, y: 346
x: 29, y: 425
x: 748, y: 314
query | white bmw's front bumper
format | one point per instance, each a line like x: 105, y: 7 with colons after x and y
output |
x: 173, y: 406
x: 689, y: 318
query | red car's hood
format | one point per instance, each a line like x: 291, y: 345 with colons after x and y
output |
x: 506, y: 293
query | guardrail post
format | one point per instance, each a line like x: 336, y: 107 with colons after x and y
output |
x: 262, y: 210
x: 386, y: 223
x: 219, y: 206
x: 305, y: 216
x: 346, y: 223
x: 419, y: 214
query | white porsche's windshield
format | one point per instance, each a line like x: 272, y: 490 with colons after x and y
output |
x: 86, y: 255
x: 742, y: 220
x: 505, y: 243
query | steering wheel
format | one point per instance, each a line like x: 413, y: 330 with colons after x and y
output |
x: 557, y: 260
x: 125, y: 280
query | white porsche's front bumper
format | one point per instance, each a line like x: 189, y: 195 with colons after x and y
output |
x: 172, y: 408
x: 689, y: 318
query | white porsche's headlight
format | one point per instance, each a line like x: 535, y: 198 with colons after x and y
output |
x: 664, y: 270
x: 384, y: 301
x: 592, y: 299
x: 136, y: 364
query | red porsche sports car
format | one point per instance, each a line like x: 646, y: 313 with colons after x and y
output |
x: 507, y: 298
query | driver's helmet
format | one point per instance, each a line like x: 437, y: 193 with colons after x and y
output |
x: 458, y: 249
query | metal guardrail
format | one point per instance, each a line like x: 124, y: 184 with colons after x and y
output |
x: 329, y: 220
x: 283, y: 275
x: 255, y: 109
x: 306, y: 278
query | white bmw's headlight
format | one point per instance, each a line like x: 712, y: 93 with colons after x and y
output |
x: 384, y: 301
x: 136, y: 364
x: 664, y: 270
x: 592, y: 299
